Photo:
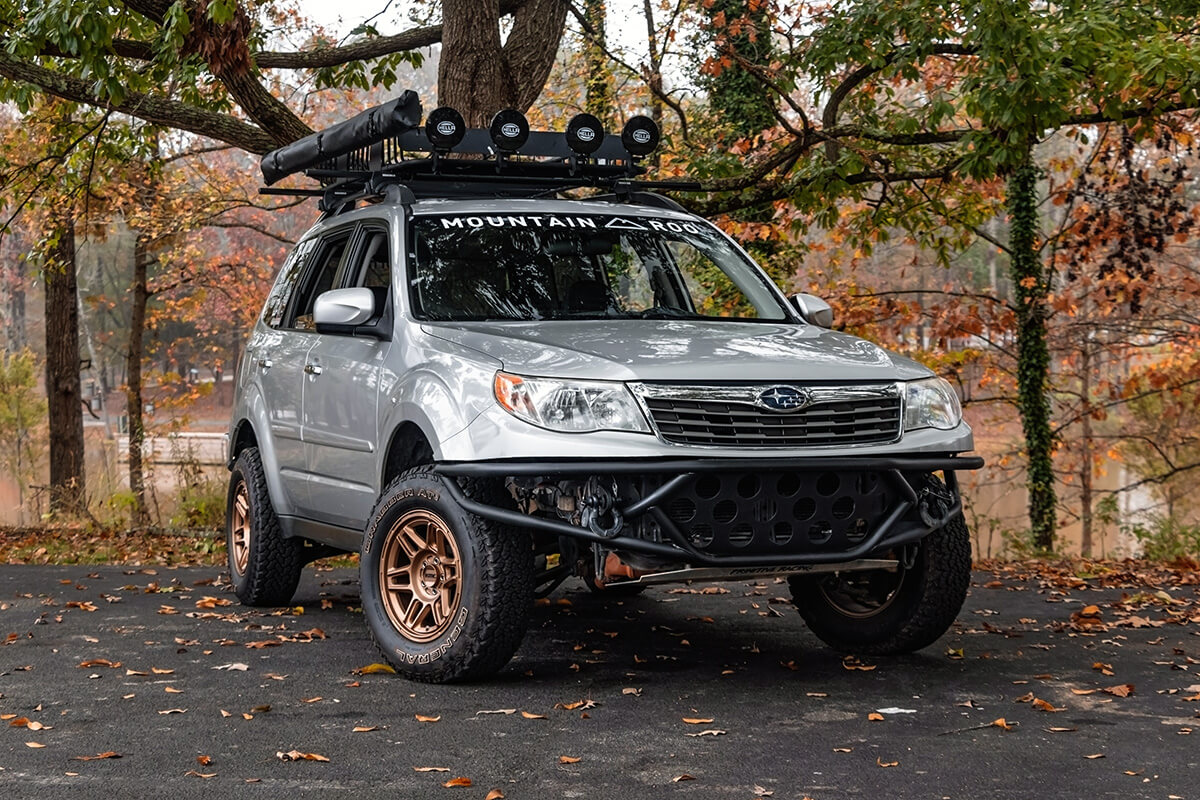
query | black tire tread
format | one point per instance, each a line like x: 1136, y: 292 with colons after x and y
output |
x: 945, y: 580
x: 276, y: 562
x: 505, y: 561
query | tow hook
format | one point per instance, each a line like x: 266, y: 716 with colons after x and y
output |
x: 934, y: 504
x: 590, y: 517
x: 908, y: 555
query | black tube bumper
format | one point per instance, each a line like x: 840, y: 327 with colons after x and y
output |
x: 900, y: 525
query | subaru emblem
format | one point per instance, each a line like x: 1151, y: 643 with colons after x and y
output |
x: 783, y: 398
x: 511, y: 130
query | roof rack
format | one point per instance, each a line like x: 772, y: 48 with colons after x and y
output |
x: 384, y: 147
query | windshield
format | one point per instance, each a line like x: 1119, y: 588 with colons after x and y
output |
x: 556, y: 266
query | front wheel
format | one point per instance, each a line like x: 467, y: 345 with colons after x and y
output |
x: 889, y: 612
x: 445, y: 593
x: 264, y: 565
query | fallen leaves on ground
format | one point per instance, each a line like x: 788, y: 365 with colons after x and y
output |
x: 681, y: 778
x: 99, y: 662
x: 423, y: 718
x: 35, y: 745
x: 98, y: 756
x: 531, y: 715
x: 457, y: 782
x: 431, y: 769
x: 296, y: 755
x: 1002, y: 724
x: 191, y: 773
x: 710, y: 732
x: 364, y: 728
x: 875, y: 716
x: 494, y: 794
x: 505, y: 711
x: 376, y: 669
x: 204, y: 761
x: 698, y: 720
x: 885, y: 764
x: 578, y: 704
x: 629, y: 690
x: 568, y: 760
x: 853, y: 663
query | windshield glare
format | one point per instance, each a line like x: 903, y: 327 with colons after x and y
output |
x: 549, y: 267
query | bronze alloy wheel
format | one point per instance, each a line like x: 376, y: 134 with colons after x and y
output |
x: 863, y: 594
x: 239, y: 539
x: 419, y: 576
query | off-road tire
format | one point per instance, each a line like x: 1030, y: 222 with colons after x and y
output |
x: 923, y: 608
x: 272, y: 570
x: 495, y: 571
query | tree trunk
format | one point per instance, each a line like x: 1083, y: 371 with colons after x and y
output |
x: 473, y: 76
x: 742, y: 101
x: 133, y: 383
x: 1030, y: 286
x: 599, y: 101
x: 63, y: 392
x: 1085, y: 466
x: 478, y: 76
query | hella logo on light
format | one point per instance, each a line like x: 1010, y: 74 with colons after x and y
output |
x: 446, y: 128
x: 641, y: 136
x: 586, y: 134
x: 511, y: 130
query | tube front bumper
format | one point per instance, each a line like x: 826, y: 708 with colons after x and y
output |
x: 658, y: 517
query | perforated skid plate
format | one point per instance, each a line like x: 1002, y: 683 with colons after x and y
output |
x: 780, y: 512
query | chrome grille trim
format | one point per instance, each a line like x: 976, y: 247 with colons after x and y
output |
x: 728, y: 416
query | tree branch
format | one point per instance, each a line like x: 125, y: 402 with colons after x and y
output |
x: 161, y: 111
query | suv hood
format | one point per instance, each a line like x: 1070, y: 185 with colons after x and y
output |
x: 684, y: 351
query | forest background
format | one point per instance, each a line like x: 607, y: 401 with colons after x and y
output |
x: 1006, y: 192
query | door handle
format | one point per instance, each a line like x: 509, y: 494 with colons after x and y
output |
x: 265, y: 363
x: 313, y: 369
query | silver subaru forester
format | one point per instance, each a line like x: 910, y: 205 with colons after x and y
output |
x: 486, y: 390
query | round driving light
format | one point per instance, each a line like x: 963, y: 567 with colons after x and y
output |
x: 509, y: 130
x: 640, y: 135
x: 585, y: 134
x: 445, y: 128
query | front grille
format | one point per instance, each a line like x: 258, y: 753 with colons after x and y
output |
x: 863, y: 420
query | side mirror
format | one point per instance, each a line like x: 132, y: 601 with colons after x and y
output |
x: 343, y: 307
x: 813, y: 310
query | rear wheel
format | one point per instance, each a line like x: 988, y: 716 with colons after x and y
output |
x: 888, y: 612
x: 264, y: 565
x: 445, y: 593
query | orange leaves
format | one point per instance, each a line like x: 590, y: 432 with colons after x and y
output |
x: 569, y: 760
x: 376, y: 669
x: 457, y: 783
x: 422, y: 718
x: 296, y: 755
x: 99, y: 756
x: 697, y: 720
x: 98, y: 662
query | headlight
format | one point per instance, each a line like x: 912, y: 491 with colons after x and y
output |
x: 931, y: 403
x: 571, y: 406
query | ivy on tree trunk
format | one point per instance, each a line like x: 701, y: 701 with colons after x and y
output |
x: 1031, y: 285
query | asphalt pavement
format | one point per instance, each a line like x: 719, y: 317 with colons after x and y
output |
x: 707, y: 691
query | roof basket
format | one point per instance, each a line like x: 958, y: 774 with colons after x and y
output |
x: 384, y: 146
